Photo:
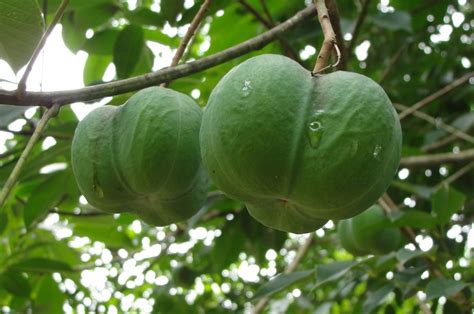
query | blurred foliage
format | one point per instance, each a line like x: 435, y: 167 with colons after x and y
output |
x: 57, y: 253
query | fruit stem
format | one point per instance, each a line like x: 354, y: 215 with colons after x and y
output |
x: 329, y: 42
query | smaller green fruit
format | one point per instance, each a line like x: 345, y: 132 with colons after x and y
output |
x: 142, y: 157
x: 369, y: 233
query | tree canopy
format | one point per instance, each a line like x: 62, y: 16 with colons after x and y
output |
x: 58, y: 253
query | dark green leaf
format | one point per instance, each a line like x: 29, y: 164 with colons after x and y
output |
x: 102, y: 43
x: 95, y: 68
x: 21, y: 27
x: 171, y: 8
x: 3, y: 221
x: 415, y: 219
x: 15, y: 283
x: 45, y: 197
x: 445, y: 202
x: 9, y: 114
x: 145, y: 16
x: 101, y: 228
x: 439, y: 287
x: 128, y: 49
x: 398, y: 20
x: 404, y: 255
x: 94, y: 16
x: 227, y: 247
x: 41, y: 265
x: 376, y: 297
x: 332, y: 271
x: 282, y: 282
x: 49, y: 299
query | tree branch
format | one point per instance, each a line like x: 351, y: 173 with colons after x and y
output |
x: 392, y: 62
x: 438, y: 123
x: 24, y: 155
x: 329, y: 38
x: 189, y: 35
x: 269, y: 24
x: 436, y: 95
x: 357, y: 27
x: 436, y: 159
x: 47, y: 99
x: 22, y: 84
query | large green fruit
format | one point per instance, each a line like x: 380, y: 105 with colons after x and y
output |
x: 142, y: 157
x: 297, y: 149
x: 369, y: 233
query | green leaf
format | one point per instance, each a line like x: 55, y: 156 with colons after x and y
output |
x: 8, y: 114
x: 72, y: 37
x: 439, y: 287
x: 15, y: 283
x: 171, y: 8
x: 377, y: 297
x: 227, y: 247
x: 3, y: 221
x: 102, y: 43
x: 94, y: 16
x: 417, y: 189
x: 45, y: 197
x: 404, y: 255
x: 101, y: 228
x: 21, y: 27
x: 332, y: 271
x: 397, y: 20
x: 41, y: 265
x: 145, y: 16
x: 414, y: 218
x: 95, y: 68
x: 445, y: 202
x: 128, y: 49
x: 49, y: 299
x: 282, y: 282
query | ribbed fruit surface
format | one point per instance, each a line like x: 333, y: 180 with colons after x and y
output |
x: 297, y: 149
x: 142, y: 157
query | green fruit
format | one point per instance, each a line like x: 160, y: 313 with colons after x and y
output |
x: 369, y: 233
x: 299, y: 150
x: 142, y: 157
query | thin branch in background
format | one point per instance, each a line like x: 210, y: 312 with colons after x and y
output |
x: 438, y: 123
x: 269, y: 24
x: 266, y: 11
x: 357, y: 27
x: 442, y: 142
x: 329, y: 41
x: 437, y: 159
x: 393, y: 61
x: 24, y: 155
x: 85, y: 214
x: 289, y: 269
x: 458, y: 174
x: 436, y: 95
x: 22, y: 84
x: 189, y: 35
x: 48, y: 99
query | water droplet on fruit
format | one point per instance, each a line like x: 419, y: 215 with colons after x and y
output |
x: 377, y: 151
x: 247, y: 87
x: 315, y: 132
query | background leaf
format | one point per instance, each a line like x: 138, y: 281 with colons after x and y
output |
x: 22, y: 27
